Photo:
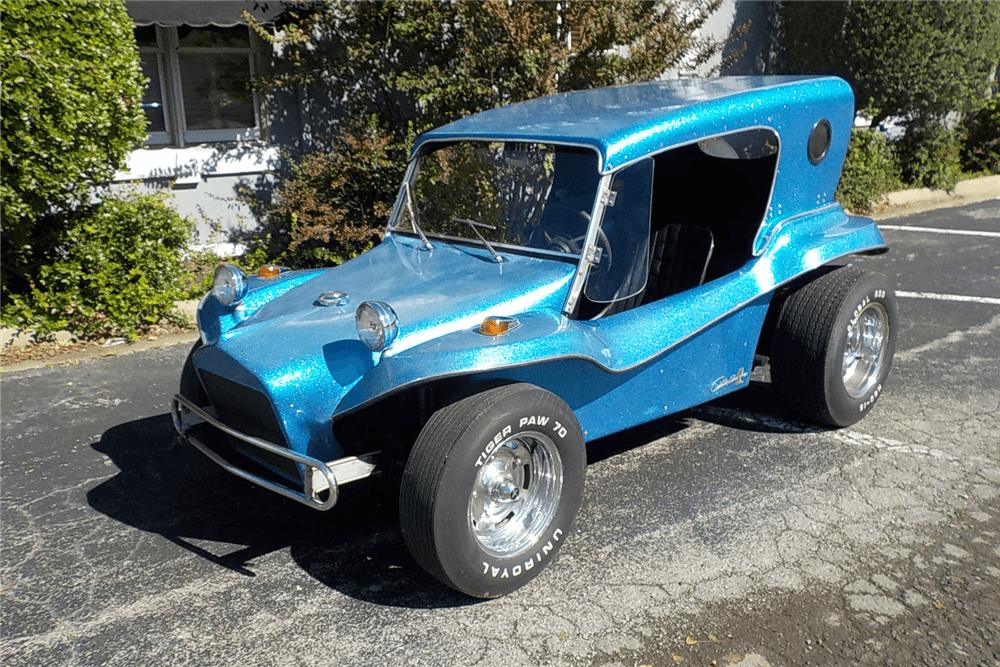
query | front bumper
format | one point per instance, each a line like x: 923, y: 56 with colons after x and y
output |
x: 320, y: 480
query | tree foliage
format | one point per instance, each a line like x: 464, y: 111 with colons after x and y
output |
x: 399, y: 68
x: 919, y: 60
x: 115, y: 270
x: 71, y: 96
x: 333, y: 203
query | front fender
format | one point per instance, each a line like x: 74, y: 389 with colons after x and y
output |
x: 542, y: 336
x: 215, y: 320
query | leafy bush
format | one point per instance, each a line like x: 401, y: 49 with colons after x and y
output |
x: 981, y: 149
x: 335, y: 203
x: 117, y: 270
x: 72, y: 93
x: 869, y: 171
x: 930, y: 156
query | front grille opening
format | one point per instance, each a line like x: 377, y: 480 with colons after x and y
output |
x: 250, y: 412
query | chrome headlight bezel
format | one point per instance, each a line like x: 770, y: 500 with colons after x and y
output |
x: 229, y: 284
x: 377, y: 325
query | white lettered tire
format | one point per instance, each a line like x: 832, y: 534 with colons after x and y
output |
x: 492, y: 487
x: 833, y: 345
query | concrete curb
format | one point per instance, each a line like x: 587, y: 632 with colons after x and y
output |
x: 917, y: 200
x: 899, y: 203
x: 100, y: 352
x: 18, y: 338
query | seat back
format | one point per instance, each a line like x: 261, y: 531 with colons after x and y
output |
x: 679, y: 260
x: 621, y: 305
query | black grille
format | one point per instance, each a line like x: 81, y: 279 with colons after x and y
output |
x: 248, y: 411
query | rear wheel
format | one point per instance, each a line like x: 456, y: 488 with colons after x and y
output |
x: 492, y: 487
x: 833, y: 345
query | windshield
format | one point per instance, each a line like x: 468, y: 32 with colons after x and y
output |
x: 519, y: 194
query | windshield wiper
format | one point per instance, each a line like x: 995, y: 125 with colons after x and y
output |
x: 475, y: 228
x: 413, y: 217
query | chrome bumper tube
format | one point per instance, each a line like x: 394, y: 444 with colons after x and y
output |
x: 319, y: 476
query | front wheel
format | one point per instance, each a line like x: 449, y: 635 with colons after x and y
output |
x: 833, y: 345
x: 492, y: 487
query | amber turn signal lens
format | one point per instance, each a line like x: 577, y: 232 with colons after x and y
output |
x: 495, y: 326
x: 268, y: 271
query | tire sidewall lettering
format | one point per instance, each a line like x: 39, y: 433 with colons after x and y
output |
x: 869, y: 400
x: 517, y: 566
x: 862, y: 405
x: 538, y: 422
x: 818, y: 321
x: 860, y: 308
x: 449, y: 547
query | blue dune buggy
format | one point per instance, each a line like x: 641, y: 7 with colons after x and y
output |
x: 553, y: 272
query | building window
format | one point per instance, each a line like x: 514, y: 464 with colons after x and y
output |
x: 199, y: 84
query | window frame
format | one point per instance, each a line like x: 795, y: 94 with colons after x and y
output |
x: 177, y: 135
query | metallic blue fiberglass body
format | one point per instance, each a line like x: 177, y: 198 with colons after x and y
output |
x: 615, y: 367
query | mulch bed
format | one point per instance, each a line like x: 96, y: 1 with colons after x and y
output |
x: 44, y: 350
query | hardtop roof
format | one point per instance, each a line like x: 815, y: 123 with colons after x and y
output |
x: 624, y: 123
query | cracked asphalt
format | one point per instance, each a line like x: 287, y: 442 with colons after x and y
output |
x: 726, y: 535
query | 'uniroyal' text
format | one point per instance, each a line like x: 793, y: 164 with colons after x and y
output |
x: 518, y: 570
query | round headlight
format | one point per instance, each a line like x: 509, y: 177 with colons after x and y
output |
x: 229, y: 284
x: 377, y: 325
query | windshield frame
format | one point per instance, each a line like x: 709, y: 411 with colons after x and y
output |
x: 589, y: 257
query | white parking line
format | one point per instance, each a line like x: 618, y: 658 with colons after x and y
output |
x: 887, y: 444
x: 951, y: 340
x: 938, y: 230
x: 949, y: 297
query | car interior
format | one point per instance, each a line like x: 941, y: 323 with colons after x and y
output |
x: 708, y: 201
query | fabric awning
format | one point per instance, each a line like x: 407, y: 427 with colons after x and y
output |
x: 223, y: 13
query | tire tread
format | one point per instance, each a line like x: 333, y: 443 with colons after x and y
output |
x: 423, y: 476
x: 802, y: 336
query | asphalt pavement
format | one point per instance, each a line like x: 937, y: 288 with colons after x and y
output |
x: 726, y: 535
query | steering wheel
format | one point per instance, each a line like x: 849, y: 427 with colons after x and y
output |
x: 574, y: 245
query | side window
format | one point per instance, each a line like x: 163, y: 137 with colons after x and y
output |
x: 624, y: 237
x: 199, y: 84
x: 746, y: 145
x: 717, y: 189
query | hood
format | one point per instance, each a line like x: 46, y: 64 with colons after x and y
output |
x: 307, y: 356
x: 433, y: 293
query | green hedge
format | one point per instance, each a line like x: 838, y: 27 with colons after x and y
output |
x: 72, y: 96
x: 117, y: 271
x: 869, y: 172
x: 981, y: 150
x: 930, y: 156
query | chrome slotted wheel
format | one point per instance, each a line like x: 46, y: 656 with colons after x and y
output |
x: 833, y: 345
x: 491, y: 488
x: 864, y: 351
x: 515, y: 494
